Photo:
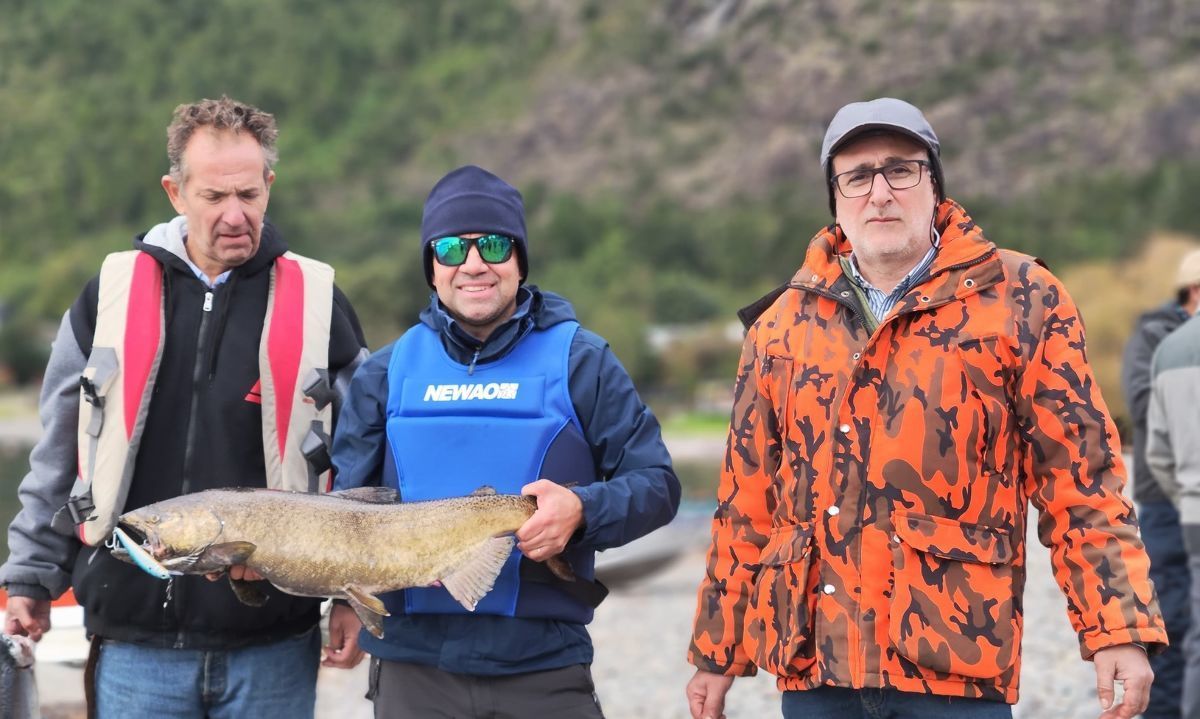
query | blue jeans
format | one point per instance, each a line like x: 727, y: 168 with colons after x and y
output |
x: 1163, y: 538
x: 842, y: 703
x: 267, y: 680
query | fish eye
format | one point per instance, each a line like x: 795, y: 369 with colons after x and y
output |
x: 154, y: 519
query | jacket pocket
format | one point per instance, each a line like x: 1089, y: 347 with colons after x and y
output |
x: 988, y: 413
x: 777, y: 376
x: 778, y: 628
x: 952, y: 604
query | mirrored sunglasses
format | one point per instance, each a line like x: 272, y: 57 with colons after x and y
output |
x: 452, y: 251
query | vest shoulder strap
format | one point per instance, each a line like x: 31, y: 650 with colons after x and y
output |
x: 115, y: 389
x: 294, y: 370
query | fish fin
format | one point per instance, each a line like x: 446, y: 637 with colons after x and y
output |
x: 368, y: 607
x: 474, y: 578
x: 483, y: 491
x: 369, y: 601
x: 229, y: 553
x: 560, y: 568
x: 247, y: 593
x: 374, y: 495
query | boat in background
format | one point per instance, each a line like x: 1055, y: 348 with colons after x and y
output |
x: 646, y: 556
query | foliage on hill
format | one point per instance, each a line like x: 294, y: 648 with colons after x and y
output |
x: 667, y: 150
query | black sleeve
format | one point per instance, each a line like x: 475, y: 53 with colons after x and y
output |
x: 83, y: 315
x: 346, y: 340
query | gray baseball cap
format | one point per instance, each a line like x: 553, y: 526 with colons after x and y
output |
x: 885, y: 114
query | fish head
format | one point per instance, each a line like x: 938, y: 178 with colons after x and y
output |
x: 172, y: 529
x: 19, y: 648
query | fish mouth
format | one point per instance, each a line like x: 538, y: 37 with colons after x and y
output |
x: 147, y: 538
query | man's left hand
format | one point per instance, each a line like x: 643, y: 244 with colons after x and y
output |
x: 1126, y: 663
x: 559, y: 513
x: 342, y: 651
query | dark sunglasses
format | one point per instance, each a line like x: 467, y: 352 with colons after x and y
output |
x: 452, y: 251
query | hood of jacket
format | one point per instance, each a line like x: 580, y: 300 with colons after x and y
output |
x: 166, y: 243
x: 536, y: 309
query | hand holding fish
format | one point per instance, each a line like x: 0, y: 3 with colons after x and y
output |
x: 343, y: 650
x: 559, y: 513
x: 26, y: 616
x: 238, y: 573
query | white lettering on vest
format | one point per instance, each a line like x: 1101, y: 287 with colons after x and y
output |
x: 468, y: 392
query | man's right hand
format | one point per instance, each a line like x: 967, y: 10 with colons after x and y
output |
x: 706, y: 694
x: 26, y: 616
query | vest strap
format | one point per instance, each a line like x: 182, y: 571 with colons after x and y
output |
x: 315, y: 449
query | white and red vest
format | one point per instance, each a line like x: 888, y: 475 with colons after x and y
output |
x: 118, y: 382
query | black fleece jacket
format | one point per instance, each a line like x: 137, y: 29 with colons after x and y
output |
x: 202, y: 432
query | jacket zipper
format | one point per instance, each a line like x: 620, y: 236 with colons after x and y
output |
x: 862, y: 320
x: 856, y: 667
x: 193, y: 411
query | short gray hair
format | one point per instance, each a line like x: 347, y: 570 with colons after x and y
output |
x: 223, y: 114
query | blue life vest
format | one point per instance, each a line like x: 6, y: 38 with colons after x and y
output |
x: 505, y: 424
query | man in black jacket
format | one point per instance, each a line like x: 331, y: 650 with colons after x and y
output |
x: 1158, y: 518
x: 206, y: 357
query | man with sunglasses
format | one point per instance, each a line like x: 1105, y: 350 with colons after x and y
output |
x: 498, y: 385
x: 899, y: 404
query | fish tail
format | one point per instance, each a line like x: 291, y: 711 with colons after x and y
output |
x: 560, y: 568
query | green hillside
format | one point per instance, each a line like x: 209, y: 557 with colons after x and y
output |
x: 667, y: 150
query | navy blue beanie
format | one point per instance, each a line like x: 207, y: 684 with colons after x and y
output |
x: 471, y: 199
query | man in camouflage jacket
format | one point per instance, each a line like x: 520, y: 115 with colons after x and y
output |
x: 898, y: 405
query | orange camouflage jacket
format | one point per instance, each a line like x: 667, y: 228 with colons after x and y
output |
x: 872, y: 509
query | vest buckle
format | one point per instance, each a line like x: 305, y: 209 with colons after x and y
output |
x: 91, y: 393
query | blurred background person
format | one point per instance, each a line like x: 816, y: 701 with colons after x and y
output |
x: 1157, y: 516
x: 1173, y: 455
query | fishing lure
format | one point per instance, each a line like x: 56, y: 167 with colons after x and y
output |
x: 143, y: 559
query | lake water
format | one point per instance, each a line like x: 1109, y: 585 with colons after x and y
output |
x: 14, y: 463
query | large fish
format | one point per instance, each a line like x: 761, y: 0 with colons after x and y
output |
x: 352, y: 544
x: 18, y: 690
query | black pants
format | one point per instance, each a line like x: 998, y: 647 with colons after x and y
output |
x: 416, y: 691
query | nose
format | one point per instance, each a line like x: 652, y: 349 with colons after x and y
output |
x: 881, y: 191
x: 232, y: 213
x: 474, y: 263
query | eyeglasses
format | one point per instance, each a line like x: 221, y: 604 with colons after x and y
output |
x: 898, y: 175
x: 452, y: 251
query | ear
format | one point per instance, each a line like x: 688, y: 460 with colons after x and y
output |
x: 270, y: 179
x: 174, y: 193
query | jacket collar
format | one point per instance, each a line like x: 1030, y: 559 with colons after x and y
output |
x: 965, y: 263
x: 166, y: 240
